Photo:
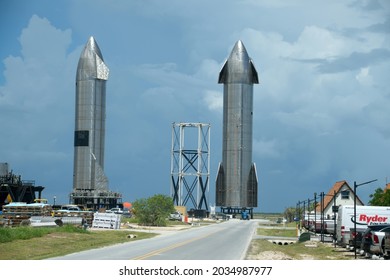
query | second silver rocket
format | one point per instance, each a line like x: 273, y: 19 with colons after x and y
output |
x: 237, y: 183
x: 91, y: 77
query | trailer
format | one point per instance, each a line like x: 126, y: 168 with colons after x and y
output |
x: 309, y: 220
x: 365, y: 215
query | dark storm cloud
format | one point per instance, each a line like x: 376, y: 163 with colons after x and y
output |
x: 370, y: 5
x: 380, y: 27
x: 355, y: 60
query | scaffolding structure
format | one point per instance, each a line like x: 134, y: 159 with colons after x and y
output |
x: 14, y: 189
x: 95, y: 199
x: 190, y: 163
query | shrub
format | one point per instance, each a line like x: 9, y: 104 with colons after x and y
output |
x: 154, y: 210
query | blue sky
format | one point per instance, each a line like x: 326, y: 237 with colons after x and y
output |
x: 321, y: 110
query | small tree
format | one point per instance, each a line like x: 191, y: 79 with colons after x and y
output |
x: 380, y: 198
x: 289, y: 213
x: 154, y: 210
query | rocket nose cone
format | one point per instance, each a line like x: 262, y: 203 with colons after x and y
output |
x: 239, y: 52
x: 239, y: 67
x: 92, y: 47
x: 91, y: 63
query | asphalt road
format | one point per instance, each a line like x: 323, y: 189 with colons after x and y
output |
x: 224, y: 241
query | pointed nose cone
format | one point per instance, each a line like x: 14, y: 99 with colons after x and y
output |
x: 91, y: 64
x: 92, y: 46
x: 239, y: 53
x: 239, y: 68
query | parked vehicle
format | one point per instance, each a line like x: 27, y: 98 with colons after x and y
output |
x: 386, y: 245
x: 377, y: 244
x: 176, y: 216
x: 69, y: 208
x: 365, y: 215
x: 330, y: 227
x: 126, y: 213
x: 358, y: 235
x: 309, y: 219
x: 367, y: 239
x: 244, y: 215
x: 327, y: 224
x: 115, y: 211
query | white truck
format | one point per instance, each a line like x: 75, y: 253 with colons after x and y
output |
x: 365, y: 215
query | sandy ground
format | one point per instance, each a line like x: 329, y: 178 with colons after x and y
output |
x: 279, y: 255
x: 269, y: 255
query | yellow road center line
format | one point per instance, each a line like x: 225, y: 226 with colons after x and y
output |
x: 174, y: 246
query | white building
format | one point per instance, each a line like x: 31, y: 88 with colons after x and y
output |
x: 342, y: 193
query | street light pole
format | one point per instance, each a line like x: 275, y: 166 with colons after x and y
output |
x: 334, y: 217
x: 354, y: 208
x: 315, y: 213
x: 304, y: 209
x: 322, y: 215
x: 298, y: 212
x: 322, y: 206
x: 309, y: 215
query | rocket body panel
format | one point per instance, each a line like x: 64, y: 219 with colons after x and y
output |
x: 89, y: 140
x: 237, y: 145
x: 235, y: 183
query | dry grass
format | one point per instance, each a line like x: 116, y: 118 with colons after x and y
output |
x: 62, y: 243
x: 262, y: 249
x: 285, y: 232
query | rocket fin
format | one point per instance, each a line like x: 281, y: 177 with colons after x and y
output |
x: 220, y: 196
x: 252, y: 187
x: 255, y: 77
x: 101, y: 69
x: 223, y: 73
x: 101, y: 181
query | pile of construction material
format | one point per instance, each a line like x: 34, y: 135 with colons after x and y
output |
x: 74, y: 217
x: 42, y: 214
x: 106, y: 221
x: 44, y: 221
x: 19, y: 213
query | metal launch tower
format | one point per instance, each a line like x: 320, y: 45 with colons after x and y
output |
x: 190, y: 163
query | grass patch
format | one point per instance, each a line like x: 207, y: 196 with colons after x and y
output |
x: 285, y: 232
x: 267, y: 216
x: 261, y: 249
x: 130, y: 220
x: 27, y: 243
x: 134, y: 220
x: 23, y: 233
x: 297, y: 251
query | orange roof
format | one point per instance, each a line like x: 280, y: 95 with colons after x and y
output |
x: 335, y: 189
x: 387, y: 187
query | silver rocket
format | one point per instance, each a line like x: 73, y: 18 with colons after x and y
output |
x: 91, y: 77
x: 236, y: 184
